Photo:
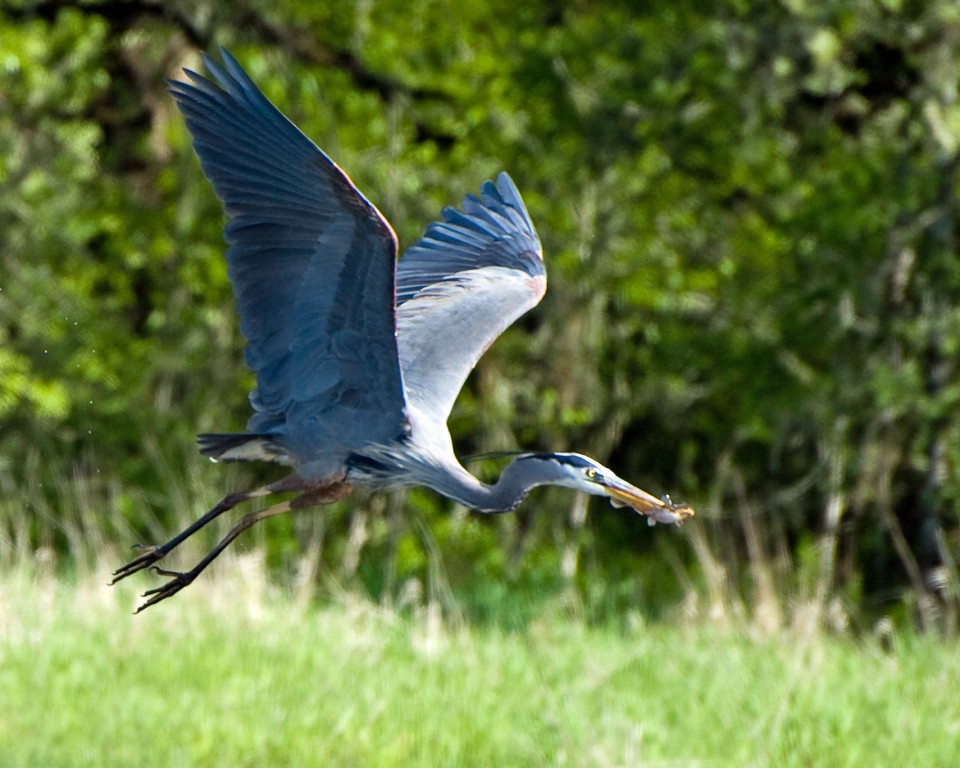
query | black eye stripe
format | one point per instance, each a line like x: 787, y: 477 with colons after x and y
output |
x: 574, y: 460
x: 567, y: 459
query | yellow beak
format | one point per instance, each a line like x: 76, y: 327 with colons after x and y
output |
x: 622, y: 494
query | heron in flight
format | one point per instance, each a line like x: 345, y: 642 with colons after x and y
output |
x: 358, y: 356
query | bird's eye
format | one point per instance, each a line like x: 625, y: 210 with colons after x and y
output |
x: 591, y: 474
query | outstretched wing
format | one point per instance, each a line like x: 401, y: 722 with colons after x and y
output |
x: 459, y: 287
x: 312, y: 264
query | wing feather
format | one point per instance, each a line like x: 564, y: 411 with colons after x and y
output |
x: 459, y: 287
x: 312, y: 265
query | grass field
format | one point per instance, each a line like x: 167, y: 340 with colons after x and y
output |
x: 235, y: 673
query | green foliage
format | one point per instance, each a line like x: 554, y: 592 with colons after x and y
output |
x: 749, y: 216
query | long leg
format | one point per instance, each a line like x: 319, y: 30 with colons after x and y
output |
x: 321, y: 495
x: 150, y: 555
x: 180, y: 580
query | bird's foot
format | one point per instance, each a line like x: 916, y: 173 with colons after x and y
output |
x: 177, y: 582
x: 149, y: 555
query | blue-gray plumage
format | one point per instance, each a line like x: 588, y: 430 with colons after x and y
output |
x: 359, y: 358
x: 312, y: 266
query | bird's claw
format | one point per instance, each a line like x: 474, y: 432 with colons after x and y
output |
x: 150, y: 555
x: 186, y: 578
x: 177, y: 582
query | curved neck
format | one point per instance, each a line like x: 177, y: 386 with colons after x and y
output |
x: 517, y: 479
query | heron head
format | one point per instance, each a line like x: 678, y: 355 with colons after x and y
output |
x: 585, y: 474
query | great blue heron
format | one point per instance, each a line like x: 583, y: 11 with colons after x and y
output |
x: 359, y: 357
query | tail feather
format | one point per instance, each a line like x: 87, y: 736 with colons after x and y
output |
x: 243, y: 446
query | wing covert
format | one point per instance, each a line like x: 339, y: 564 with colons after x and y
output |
x: 460, y: 286
x: 312, y: 265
